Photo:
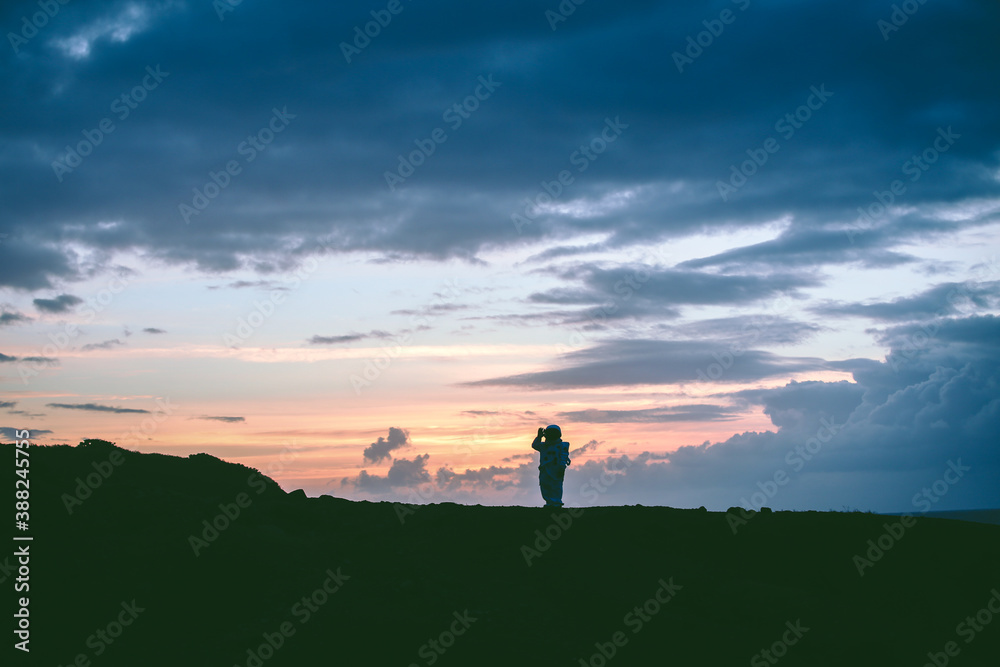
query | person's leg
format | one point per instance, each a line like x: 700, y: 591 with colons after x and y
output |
x: 551, y: 481
x: 557, y: 491
x: 547, y: 482
x: 543, y: 485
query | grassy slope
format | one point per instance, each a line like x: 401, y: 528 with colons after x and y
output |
x: 407, y: 578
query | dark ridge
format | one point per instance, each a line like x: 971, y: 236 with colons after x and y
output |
x: 412, y: 578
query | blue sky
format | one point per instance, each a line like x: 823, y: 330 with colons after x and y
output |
x: 693, y: 234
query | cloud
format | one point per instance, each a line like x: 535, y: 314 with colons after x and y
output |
x: 8, y: 317
x: 589, y: 447
x: 798, y: 247
x: 382, y: 448
x: 7, y: 404
x: 25, y: 413
x: 766, y: 328
x: 6, y: 358
x: 105, y: 345
x: 255, y: 284
x: 227, y: 420
x: 680, y: 413
x: 517, y: 457
x: 348, y: 338
x: 153, y: 330
x: 497, y: 477
x: 402, y: 474
x: 10, y: 433
x: 940, y: 300
x: 94, y: 407
x: 787, y: 406
x: 654, y: 362
x: 877, y: 442
x: 653, y: 183
x: 60, y: 304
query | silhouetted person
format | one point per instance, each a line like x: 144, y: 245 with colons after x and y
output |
x: 552, y: 464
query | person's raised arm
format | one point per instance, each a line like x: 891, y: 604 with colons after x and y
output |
x: 537, y: 443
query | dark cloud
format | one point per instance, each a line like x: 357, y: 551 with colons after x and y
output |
x: 591, y: 445
x: 265, y: 285
x: 680, y: 413
x: 940, y: 300
x: 766, y: 328
x: 12, y: 317
x: 431, y: 309
x: 497, y: 477
x: 104, y: 345
x: 60, y: 304
x: 227, y: 420
x: 349, y: 338
x: 402, y: 474
x: 10, y: 433
x: 517, y: 457
x: 646, y: 292
x: 352, y: 121
x: 797, y: 247
x: 787, y: 406
x: 6, y: 358
x: 153, y: 330
x: 382, y: 448
x: 7, y: 404
x: 93, y: 407
x: 654, y: 362
x: 876, y: 443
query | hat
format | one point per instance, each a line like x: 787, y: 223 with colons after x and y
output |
x: 553, y: 427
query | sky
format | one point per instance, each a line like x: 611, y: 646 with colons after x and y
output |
x: 743, y: 252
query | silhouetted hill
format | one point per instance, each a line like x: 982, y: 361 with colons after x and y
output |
x: 398, y: 578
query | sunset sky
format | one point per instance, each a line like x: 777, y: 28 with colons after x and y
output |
x: 714, y: 241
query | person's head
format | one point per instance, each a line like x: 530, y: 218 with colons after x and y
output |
x: 553, y: 432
